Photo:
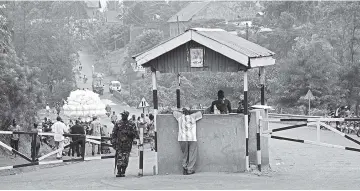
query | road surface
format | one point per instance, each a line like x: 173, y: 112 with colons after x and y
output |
x: 294, y: 166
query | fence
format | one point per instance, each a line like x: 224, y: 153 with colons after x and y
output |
x: 34, y: 160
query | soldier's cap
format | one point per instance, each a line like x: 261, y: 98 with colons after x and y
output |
x: 125, y: 113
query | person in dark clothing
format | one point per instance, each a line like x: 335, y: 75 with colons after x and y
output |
x: 240, y: 109
x: 222, y: 105
x: 122, y: 138
x: 35, y: 144
x: 77, y: 129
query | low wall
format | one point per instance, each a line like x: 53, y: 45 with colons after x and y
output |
x: 221, y: 144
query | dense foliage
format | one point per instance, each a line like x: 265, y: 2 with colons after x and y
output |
x: 40, y: 42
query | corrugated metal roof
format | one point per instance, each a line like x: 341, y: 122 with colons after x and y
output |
x: 188, y: 12
x: 237, y: 43
x: 218, y: 40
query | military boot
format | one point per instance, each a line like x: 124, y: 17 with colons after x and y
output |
x: 119, y: 171
x: 123, y: 169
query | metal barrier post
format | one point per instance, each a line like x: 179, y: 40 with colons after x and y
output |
x: 318, y: 131
x: 258, y: 146
x: 33, y: 148
x: 83, y: 144
x: 141, y: 151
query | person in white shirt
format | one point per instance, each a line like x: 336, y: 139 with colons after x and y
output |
x: 59, y: 128
x: 47, y: 108
x: 113, y: 118
x: 187, y: 138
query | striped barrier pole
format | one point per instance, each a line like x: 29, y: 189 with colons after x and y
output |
x: 340, y: 133
x: 312, y: 143
x: 155, y: 102
x: 141, y: 151
x: 258, y: 146
x: 288, y: 127
x: 310, y: 119
x: 246, y: 120
x: 14, y: 151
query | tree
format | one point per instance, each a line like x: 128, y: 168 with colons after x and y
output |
x: 20, y: 91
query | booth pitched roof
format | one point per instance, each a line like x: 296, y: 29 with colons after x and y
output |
x: 234, y: 47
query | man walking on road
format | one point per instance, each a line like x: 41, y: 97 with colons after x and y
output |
x: 95, y: 127
x: 113, y: 118
x: 59, y: 128
x: 122, y: 138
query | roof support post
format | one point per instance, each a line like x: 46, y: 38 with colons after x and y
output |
x: 178, y: 92
x: 262, y: 84
x: 155, y: 102
x: 246, y: 120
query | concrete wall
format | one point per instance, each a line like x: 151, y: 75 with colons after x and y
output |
x: 221, y: 144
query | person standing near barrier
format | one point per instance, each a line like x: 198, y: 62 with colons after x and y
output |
x: 77, y: 129
x: 113, y: 118
x: 151, y: 131
x: 122, y: 138
x: 222, y: 104
x: 14, y: 142
x: 95, y: 127
x: 35, y: 144
x: 187, y: 138
x: 59, y: 128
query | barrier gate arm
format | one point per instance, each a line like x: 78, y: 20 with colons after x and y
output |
x: 268, y: 133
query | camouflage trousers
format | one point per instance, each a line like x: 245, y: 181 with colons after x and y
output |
x: 123, y: 154
x: 122, y: 158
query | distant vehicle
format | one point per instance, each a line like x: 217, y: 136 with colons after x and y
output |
x: 115, y: 86
x: 97, y: 83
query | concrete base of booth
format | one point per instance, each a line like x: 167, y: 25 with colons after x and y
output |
x: 221, y: 144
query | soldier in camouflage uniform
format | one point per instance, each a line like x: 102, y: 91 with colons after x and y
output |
x: 122, y: 138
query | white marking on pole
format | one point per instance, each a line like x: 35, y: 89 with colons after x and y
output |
x: 92, y: 158
x: 6, y: 167
x: 93, y: 141
x: 51, y: 153
x: 50, y: 162
x: 6, y: 132
x: 48, y: 134
x: 318, y: 131
x: 93, y: 137
x: 333, y: 129
x: 5, y: 146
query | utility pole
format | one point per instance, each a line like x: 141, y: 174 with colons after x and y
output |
x: 178, y: 25
x: 247, y: 31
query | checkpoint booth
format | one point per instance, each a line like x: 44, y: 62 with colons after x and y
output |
x: 223, y: 140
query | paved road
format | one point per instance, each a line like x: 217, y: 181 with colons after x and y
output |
x: 294, y: 166
x: 87, y: 61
